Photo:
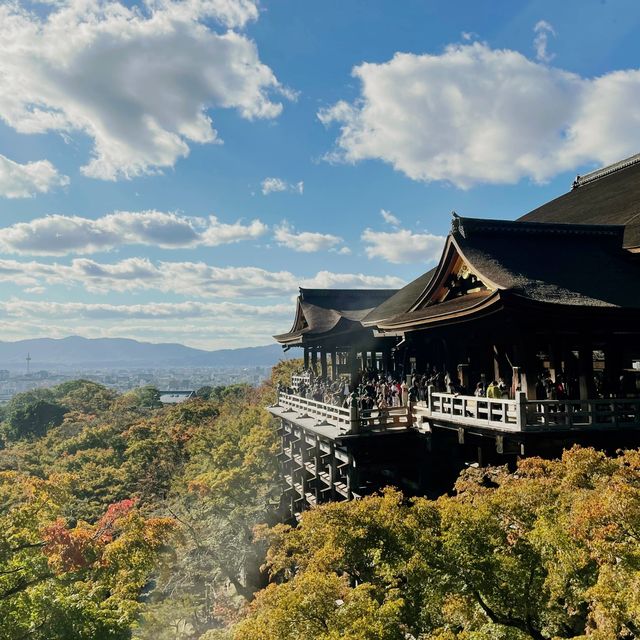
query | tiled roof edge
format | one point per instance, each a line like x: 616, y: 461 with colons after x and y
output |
x: 581, y: 181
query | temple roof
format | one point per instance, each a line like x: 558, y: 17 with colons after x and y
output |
x: 399, y: 302
x: 558, y: 263
x: 320, y: 311
x: 445, y: 311
x: 551, y: 263
x: 610, y: 195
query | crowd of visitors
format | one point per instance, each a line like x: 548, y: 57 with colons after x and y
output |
x: 374, y: 389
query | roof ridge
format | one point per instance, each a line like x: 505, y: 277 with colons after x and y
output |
x: 592, y: 176
x: 464, y: 225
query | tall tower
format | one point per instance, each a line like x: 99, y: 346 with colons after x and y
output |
x: 28, y: 359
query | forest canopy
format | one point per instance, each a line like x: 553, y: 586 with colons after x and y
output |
x: 120, y: 518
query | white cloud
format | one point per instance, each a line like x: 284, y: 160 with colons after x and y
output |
x: 329, y: 280
x: 195, y: 279
x: 389, y: 218
x: 541, y: 41
x: 477, y: 115
x: 305, y: 241
x: 403, y: 246
x: 60, y: 235
x: 201, y: 324
x: 26, y: 180
x: 275, y: 185
x: 138, y: 80
x: 151, y: 310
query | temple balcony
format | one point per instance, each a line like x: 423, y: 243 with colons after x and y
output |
x: 446, y: 410
x: 337, y: 422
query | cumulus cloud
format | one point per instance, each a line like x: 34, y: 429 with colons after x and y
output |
x: 389, y: 218
x: 275, y: 185
x: 60, y: 235
x: 139, y: 81
x: 403, y: 246
x: 195, y: 279
x: 305, y: 241
x: 478, y: 115
x: 26, y: 180
x: 541, y: 41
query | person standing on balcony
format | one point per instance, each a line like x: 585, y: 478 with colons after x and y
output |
x: 493, y: 391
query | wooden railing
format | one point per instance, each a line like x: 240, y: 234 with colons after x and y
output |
x: 303, y: 378
x: 469, y: 410
x: 500, y: 414
x: 521, y: 414
x: 338, y: 416
x: 344, y: 419
x: 581, y: 414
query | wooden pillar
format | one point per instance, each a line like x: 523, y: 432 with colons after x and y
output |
x: 585, y: 371
x: 323, y: 363
x: 525, y: 362
x: 388, y: 360
x: 496, y: 373
x: 352, y: 359
x: 334, y: 364
x: 314, y: 360
x: 306, y: 357
x: 317, y: 459
x: 613, y: 366
x: 463, y: 377
x: 555, y: 360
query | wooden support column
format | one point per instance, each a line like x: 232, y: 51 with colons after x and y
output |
x: 314, y: 360
x: 497, y: 374
x: 585, y: 371
x: 306, y: 357
x: 333, y: 471
x: 613, y: 366
x: 555, y: 360
x: 334, y: 364
x: 463, y: 377
x: 324, y: 372
x: 525, y: 361
x: 317, y: 458
x: 352, y: 359
x: 388, y: 360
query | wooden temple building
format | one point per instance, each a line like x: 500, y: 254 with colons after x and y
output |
x: 555, y: 294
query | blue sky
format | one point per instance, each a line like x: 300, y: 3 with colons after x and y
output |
x: 172, y: 171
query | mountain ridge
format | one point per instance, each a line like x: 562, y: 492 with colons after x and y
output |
x: 76, y: 351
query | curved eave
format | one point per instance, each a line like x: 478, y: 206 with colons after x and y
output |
x: 301, y: 338
x: 490, y: 303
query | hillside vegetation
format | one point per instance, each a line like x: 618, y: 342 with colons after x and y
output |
x: 120, y: 518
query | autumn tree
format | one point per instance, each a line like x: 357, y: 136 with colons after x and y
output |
x: 550, y: 551
x: 62, y: 579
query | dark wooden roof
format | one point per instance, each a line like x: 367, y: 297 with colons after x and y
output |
x: 399, y: 302
x: 607, y: 196
x: 555, y: 263
x: 323, y: 311
x: 574, y: 265
x: 455, y: 308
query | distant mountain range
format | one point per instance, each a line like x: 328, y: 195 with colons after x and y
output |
x: 115, y: 353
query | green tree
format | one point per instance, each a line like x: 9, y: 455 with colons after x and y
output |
x: 84, y: 396
x: 32, y: 419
